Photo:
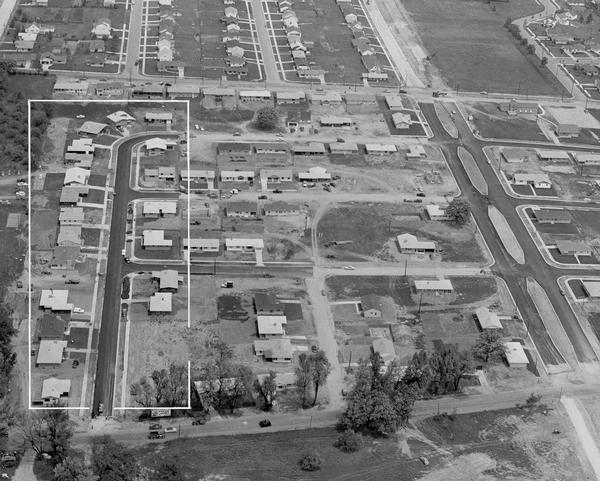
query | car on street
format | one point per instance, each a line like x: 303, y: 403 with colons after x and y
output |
x: 80, y: 116
x: 19, y: 285
x: 264, y: 423
x: 155, y: 427
x: 101, y: 408
x: 155, y: 435
x: 198, y: 422
x: 75, y: 363
x: 262, y: 197
x: 227, y: 285
x: 349, y: 268
x: 170, y: 429
x: 78, y: 310
x: 277, y: 191
x: 421, y: 194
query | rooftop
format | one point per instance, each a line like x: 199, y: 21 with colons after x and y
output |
x: 161, y: 302
x: 51, y: 351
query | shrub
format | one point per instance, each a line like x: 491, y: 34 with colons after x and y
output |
x: 310, y: 462
x: 349, y: 441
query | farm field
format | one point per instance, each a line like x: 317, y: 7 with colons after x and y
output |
x: 474, y: 52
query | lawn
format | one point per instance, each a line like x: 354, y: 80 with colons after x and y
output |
x: 494, y: 124
x: 473, y: 51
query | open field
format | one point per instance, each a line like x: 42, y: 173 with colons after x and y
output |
x: 495, y: 124
x: 473, y: 51
x: 373, y: 230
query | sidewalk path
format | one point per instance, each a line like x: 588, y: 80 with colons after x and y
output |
x: 24, y: 471
x: 589, y: 444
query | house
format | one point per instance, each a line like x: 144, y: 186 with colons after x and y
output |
x: 237, y: 176
x: 72, y: 195
x: 437, y: 286
x: 353, y: 98
x: 244, y: 245
x: 333, y: 99
x: 102, y: 28
x: 409, y: 244
x: 198, y: 179
x: 71, y: 216
x: 233, y: 28
x: 515, y: 354
x: 591, y: 288
x: 586, y: 158
x: 159, y: 117
x: 241, y: 209
x: 573, y: 248
x: 108, y: 3
x: 514, y: 108
x: 267, y: 305
x: 196, y: 245
x: 281, y: 208
x: 69, y: 235
x: 381, y: 149
x: 293, y: 34
x: 371, y: 306
x: 54, y: 389
x: 51, y: 327
x: 91, y: 128
x: 96, y: 46
x: 285, y: 98
x: 334, y: 121
x: 385, y: 348
x: 313, y: 149
x: 234, y: 151
x: 236, y: 70
x: 166, y: 172
x: 270, y: 326
x: 84, y: 146
x: 149, y: 92
x: 274, y: 350
x: 39, y: 28
x: 71, y: 87
x: 177, y: 67
x: 50, y: 353
x: 165, y: 52
x: 158, y: 145
x: 76, y: 175
x: 168, y: 280
x: 283, y: 380
x: 435, y: 212
x: 276, y: 176
x: 538, y: 181
x: 394, y: 102
x: 271, y: 151
x: 314, y: 174
x: 231, y: 12
x: 416, y: 152
x: 48, y: 59
x: 160, y: 302
x: 65, y: 257
x: 343, y: 148
x: 363, y: 46
x: 159, y: 208
x: 236, y: 51
x: 96, y: 60
x: 371, y: 63
x: 155, y: 240
x: 514, y: 155
x: 298, y: 119
x: 567, y: 130
x: 234, y: 61
x: 55, y: 300
x: 487, y: 319
x: 24, y: 45
x: 552, y: 216
x: 219, y: 94
x: 109, y: 89
x: 401, y: 120
x: 19, y: 60
x: 249, y: 96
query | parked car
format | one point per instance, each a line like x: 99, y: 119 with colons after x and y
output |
x: 349, y: 268
x: 277, y: 191
x: 101, y: 408
x: 19, y: 285
x: 264, y: 423
x: 421, y: 194
x: 198, y: 422
x: 339, y: 139
x: 227, y: 285
x: 75, y: 363
x: 170, y: 429
x: 237, y: 133
x: 78, y: 310
x: 80, y: 116
x: 262, y: 197
x: 155, y: 435
x: 155, y: 427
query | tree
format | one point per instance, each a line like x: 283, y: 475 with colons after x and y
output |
x: 530, y: 49
x: 168, y: 472
x: 458, y: 211
x: 112, y: 461
x: 267, y: 390
x: 143, y: 392
x: 58, y: 430
x: 303, y: 377
x: 319, y: 371
x: 73, y: 469
x: 310, y: 462
x: 448, y: 367
x: 266, y: 119
x: 349, y: 441
x: 32, y: 426
x: 489, y: 346
x: 169, y: 387
x: 544, y: 61
x: 380, y: 400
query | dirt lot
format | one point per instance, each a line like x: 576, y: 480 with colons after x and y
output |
x: 494, y: 124
x: 373, y: 229
x: 474, y: 51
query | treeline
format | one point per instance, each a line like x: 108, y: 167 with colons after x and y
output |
x: 14, y: 123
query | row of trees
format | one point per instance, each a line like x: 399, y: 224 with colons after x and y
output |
x: 165, y: 387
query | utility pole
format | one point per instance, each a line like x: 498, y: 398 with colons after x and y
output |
x: 420, y: 301
x: 405, y: 266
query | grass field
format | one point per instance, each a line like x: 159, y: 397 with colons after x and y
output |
x: 494, y: 124
x: 474, y: 51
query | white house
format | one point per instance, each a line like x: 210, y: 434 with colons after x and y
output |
x: 515, y: 354
x: 409, y: 244
x: 102, y: 28
x: 537, y: 180
x: 244, y: 245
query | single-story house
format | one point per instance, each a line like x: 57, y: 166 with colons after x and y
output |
x: 487, y: 319
x: 72, y: 195
x: 313, y: 149
x: 267, y: 305
x: 270, y: 326
x: 586, y: 158
x: 274, y: 350
x: 409, y: 244
x: 371, y: 306
x: 52, y: 327
x: 437, y: 286
x: 255, y: 96
x: 314, y: 174
x: 381, y: 149
x: 401, y: 120
x: 76, y: 175
x: 69, y: 235
x: 537, y: 180
x: 244, y: 245
x: 435, y: 212
x: 416, y: 152
x: 552, y: 216
x: 241, y: 209
x: 54, y: 389
x: 515, y: 354
x: 276, y: 176
x: 343, y: 148
x: 159, y: 117
x: 168, y: 280
x: 158, y: 145
x: 573, y: 248
x: 592, y: 288
x: 201, y: 245
x: 283, y: 98
x: 55, y: 300
x: 548, y: 155
x: 335, y: 121
x: 159, y: 208
x: 394, y: 102
x: 567, y: 130
x: 271, y: 151
x: 71, y: 216
x: 237, y: 176
x: 50, y: 353
x: 513, y: 107
x: 514, y: 155
x: 155, y: 240
x: 91, y: 128
x: 161, y: 302
x: 281, y: 208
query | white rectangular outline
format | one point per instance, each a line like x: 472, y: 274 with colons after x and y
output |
x: 30, y: 291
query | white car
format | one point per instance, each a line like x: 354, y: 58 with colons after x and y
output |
x: 78, y: 310
x: 349, y: 268
x: 170, y: 429
x: 81, y: 116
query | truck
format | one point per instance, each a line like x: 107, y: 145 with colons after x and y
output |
x: 437, y: 93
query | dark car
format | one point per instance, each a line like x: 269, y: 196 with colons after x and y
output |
x: 156, y: 435
x: 75, y: 363
x: 198, y: 422
x: 420, y: 194
x: 265, y: 423
x: 277, y: 191
x: 262, y: 197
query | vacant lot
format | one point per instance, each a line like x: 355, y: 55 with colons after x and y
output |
x: 474, y: 51
x: 494, y: 124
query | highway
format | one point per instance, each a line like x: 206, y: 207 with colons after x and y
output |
x: 514, y: 274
